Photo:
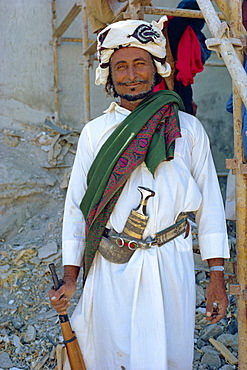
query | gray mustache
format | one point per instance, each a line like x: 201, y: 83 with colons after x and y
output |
x: 128, y: 83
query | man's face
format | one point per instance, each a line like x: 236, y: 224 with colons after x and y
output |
x: 133, y: 73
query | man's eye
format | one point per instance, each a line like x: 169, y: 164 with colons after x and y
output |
x: 121, y: 66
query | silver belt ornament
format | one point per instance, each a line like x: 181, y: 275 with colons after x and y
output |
x: 119, y: 247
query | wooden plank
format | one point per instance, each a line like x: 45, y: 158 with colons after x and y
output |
x: 78, y: 40
x: 71, y: 39
x: 224, y: 351
x: 231, y: 163
x: 215, y: 63
x: 177, y: 12
x: 235, y: 289
x: 140, y: 2
x: 91, y: 49
x: 73, y: 13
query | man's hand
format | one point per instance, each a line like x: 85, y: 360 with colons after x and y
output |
x: 59, y: 299
x: 216, y: 294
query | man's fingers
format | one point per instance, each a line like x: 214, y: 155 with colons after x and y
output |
x: 61, y: 305
x: 216, y: 319
x: 56, y: 294
x: 217, y: 313
x: 209, y: 308
x: 60, y: 299
x: 221, y: 311
x: 59, y: 302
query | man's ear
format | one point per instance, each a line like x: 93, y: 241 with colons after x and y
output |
x: 158, y: 78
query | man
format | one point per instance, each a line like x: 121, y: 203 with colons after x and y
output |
x: 139, y: 314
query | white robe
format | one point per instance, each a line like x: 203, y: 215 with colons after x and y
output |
x: 140, y: 315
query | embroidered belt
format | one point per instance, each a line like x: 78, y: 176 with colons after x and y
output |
x: 119, y: 247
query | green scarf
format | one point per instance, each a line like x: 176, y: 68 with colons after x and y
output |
x: 120, y: 139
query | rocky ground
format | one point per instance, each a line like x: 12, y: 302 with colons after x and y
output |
x: 35, y: 165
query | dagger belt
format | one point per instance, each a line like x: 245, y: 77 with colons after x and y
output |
x: 119, y: 247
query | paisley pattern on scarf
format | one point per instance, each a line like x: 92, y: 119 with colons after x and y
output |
x: 163, y: 124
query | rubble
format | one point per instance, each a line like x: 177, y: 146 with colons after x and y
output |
x: 48, y: 250
x: 29, y: 327
x: 33, y: 203
x: 5, y: 361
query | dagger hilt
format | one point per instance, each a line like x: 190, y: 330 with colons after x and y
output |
x: 138, y: 218
x: 146, y: 193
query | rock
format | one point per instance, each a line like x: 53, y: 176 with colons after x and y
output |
x: 200, y: 295
x: 35, y: 261
x: 232, y: 299
x: 48, y: 250
x: 6, y: 305
x: 4, y: 268
x: 229, y: 340
x: 44, y: 139
x: 197, y: 355
x: 17, y: 343
x: 200, y: 343
x: 30, y: 334
x: 200, y: 276
x: 16, y: 340
x: 5, y: 361
x: 17, y: 322
x: 209, y: 349
x: 53, y: 258
x: 211, y: 359
x: 211, y: 331
x: 227, y: 367
x: 233, y: 326
x: 200, y: 319
x: 6, y: 339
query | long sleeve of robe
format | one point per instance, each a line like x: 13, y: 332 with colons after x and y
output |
x: 137, y: 315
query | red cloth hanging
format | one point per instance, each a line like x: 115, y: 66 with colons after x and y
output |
x: 189, y: 61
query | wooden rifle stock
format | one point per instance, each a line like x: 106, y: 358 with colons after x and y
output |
x: 72, y: 346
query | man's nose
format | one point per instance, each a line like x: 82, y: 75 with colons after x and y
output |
x: 131, y: 73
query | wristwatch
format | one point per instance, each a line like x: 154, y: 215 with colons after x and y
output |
x: 216, y: 268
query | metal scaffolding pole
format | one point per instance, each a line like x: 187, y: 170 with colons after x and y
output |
x: 241, y: 199
x: 232, y: 11
x: 224, y: 7
x: 223, y: 45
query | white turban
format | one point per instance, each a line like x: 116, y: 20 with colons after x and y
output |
x: 132, y: 33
